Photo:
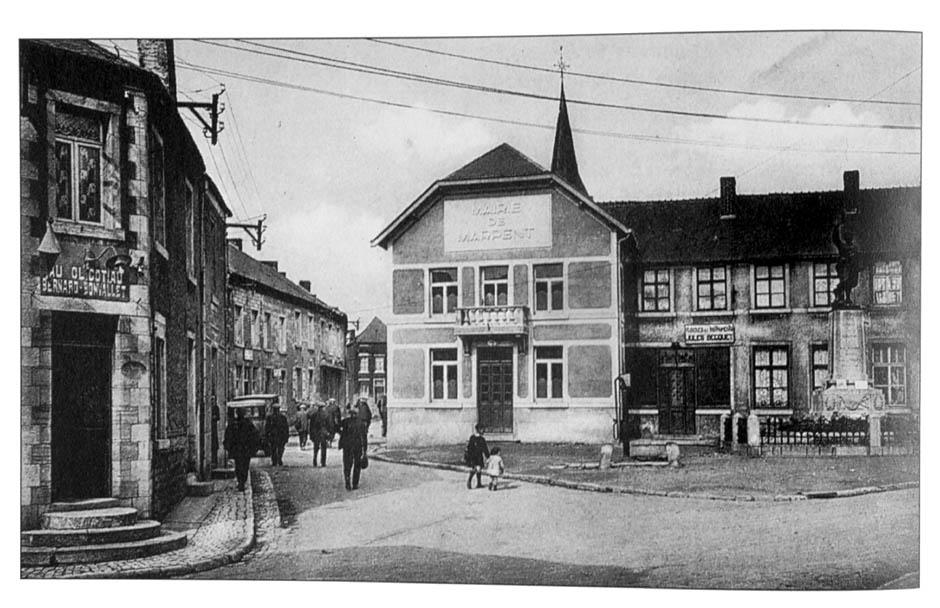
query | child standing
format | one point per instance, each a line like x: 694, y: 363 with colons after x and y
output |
x: 494, y: 467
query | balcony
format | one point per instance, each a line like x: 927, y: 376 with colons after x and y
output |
x: 492, y: 321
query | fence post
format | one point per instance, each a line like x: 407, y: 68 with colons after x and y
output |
x: 753, y: 431
x: 735, y: 422
x: 723, y: 425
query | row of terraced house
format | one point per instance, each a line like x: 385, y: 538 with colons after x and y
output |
x: 139, y: 321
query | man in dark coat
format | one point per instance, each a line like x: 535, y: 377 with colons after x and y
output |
x: 302, y: 424
x: 382, y: 404
x: 321, y: 432
x: 332, y: 408
x: 476, y: 455
x: 241, y: 442
x: 352, y: 442
x: 276, y: 434
x: 365, y: 415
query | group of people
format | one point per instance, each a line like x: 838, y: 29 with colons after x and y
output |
x: 322, y: 422
x: 481, y: 460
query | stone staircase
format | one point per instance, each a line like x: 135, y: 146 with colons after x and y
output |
x: 94, y: 530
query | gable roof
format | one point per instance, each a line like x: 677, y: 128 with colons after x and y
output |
x: 374, y: 333
x: 501, y: 161
x: 243, y: 265
x: 770, y: 226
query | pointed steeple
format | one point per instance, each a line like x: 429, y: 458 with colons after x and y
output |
x: 564, y: 163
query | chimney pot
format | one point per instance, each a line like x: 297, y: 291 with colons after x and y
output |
x: 305, y: 285
x: 157, y: 56
x: 728, y: 197
x: 850, y: 191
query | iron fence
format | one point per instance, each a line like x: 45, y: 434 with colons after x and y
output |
x: 781, y: 430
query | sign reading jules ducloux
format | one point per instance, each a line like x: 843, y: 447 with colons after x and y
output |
x: 712, y: 333
x: 510, y: 222
x: 84, y: 282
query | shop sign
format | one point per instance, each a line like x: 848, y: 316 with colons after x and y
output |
x: 507, y: 222
x: 711, y: 333
x: 81, y: 281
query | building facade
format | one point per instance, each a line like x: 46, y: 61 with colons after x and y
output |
x: 111, y: 209
x: 366, y: 356
x: 285, y: 340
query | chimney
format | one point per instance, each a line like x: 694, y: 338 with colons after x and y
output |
x: 270, y: 264
x: 283, y: 274
x: 305, y: 285
x: 157, y: 56
x: 236, y: 243
x: 729, y: 198
x: 850, y: 191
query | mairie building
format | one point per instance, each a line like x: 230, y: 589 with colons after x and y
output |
x: 522, y: 305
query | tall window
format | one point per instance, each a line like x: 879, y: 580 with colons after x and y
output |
x: 255, y: 380
x: 363, y: 365
x: 495, y: 285
x: 281, y: 334
x: 886, y: 282
x: 78, y: 142
x: 311, y: 332
x: 771, y: 385
x: 268, y: 380
x: 819, y: 354
x: 157, y: 188
x: 549, y: 366
x: 889, y: 373
x: 443, y: 290
x: 298, y: 384
x: 159, y: 387
x: 825, y: 279
x: 443, y: 374
x: 298, y: 340
x: 266, y: 331
x: 655, y: 291
x: 549, y: 286
x: 380, y: 364
x: 711, y: 288
x: 189, y: 204
x: 255, y: 330
x: 239, y: 380
x: 379, y: 387
x: 310, y: 387
x: 239, y: 326
x: 769, y: 286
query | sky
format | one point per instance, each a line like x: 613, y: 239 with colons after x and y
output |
x: 330, y: 172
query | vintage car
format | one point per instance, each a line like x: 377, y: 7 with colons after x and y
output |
x: 256, y: 409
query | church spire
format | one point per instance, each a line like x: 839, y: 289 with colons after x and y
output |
x: 564, y: 163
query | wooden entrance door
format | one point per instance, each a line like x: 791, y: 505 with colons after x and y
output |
x: 677, y: 400
x: 494, y: 389
x: 81, y: 406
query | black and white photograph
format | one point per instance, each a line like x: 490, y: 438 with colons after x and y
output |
x: 624, y: 310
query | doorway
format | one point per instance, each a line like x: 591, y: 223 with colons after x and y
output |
x: 677, y: 401
x: 82, y: 346
x: 494, y: 389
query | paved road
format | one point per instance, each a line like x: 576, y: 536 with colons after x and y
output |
x: 421, y: 525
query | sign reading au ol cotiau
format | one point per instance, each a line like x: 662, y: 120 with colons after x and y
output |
x: 83, y: 282
x: 711, y: 333
x: 505, y: 222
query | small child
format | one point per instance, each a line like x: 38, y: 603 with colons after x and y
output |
x: 494, y: 468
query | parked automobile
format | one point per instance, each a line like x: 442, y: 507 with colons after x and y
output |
x: 256, y: 409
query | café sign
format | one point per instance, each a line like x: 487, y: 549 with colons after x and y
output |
x: 507, y: 222
x: 710, y: 333
x: 81, y: 281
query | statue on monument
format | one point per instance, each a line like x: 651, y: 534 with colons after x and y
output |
x: 847, y: 265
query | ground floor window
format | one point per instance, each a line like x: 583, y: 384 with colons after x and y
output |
x: 549, y: 368
x: 771, y: 377
x: 889, y: 374
x: 443, y: 374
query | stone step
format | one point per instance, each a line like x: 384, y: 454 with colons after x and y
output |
x: 223, y: 473
x: 141, y: 530
x: 87, y: 554
x: 84, y: 505
x: 112, y: 517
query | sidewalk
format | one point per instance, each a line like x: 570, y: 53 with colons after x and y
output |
x: 705, y: 474
x: 220, y: 530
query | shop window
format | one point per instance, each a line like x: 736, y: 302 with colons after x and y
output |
x: 886, y: 283
x: 769, y: 286
x: 549, y: 372
x: 494, y: 285
x: 239, y: 326
x: 711, y: 288
x: 889, y: 373
x: 363, y: 365
x: 819, y: 354
x: 825, y: 279
x: 379, y: 364
x: 78, y: 144
x: 157, y: 188
x: 655, y: 291
x: 443, y: 291
x: 771, y: 377
x: 443, y: 374
x: 712, y: 377
x: 549, y: 287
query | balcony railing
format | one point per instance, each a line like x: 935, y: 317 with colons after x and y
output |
x: 492, y: 320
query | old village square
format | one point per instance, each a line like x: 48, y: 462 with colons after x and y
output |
x: 571, y: 325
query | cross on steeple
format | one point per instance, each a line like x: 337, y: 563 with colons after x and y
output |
x: 561, y: 65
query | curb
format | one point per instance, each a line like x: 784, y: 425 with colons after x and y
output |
x: 901, y: 582
x: 211, y: 563
x: 593, y: 487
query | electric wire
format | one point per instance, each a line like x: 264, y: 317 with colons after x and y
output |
x: 378, y: 71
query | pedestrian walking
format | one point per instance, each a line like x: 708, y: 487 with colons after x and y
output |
x: 365, y: 415
x: 241, y: 441
x: 321, y: 433
x: 351, y: 441
x: 332, y: 408
x: 276, y: 434
x: 382, y: 404
x: 302, y: 425
x: 494, y: 468
x: 475, y: 455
